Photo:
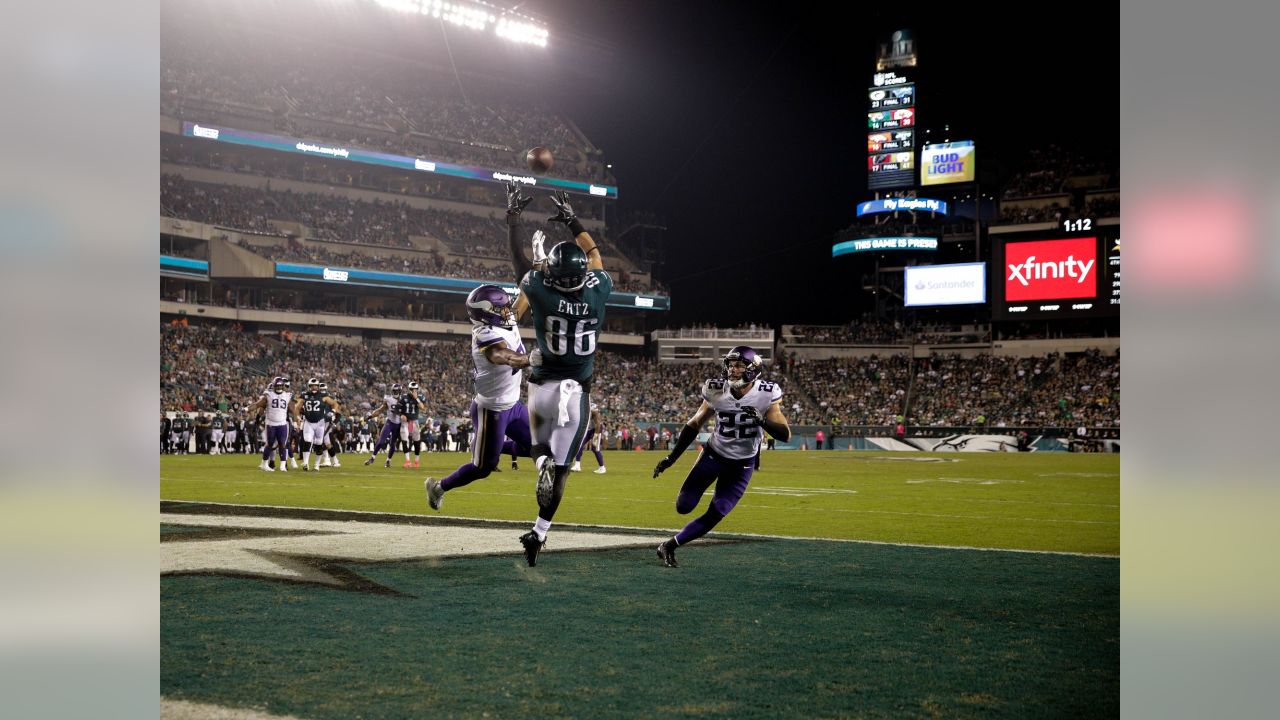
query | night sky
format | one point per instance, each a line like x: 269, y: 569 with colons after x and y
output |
x: 744, y: 130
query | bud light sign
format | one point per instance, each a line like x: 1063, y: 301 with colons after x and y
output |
x: 1051, y: 269
x: 947, y: 163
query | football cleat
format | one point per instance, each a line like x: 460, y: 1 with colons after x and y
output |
x: 515, y: 465
x: 546, y: 483
x: 415, y: 464
x: 307, y: 468
x: 435, y: 493
x: 387, y: 464
x: 370, y: 460
x: 599, y: 471
x: 408, y: 464
x: 577, y: 467
x: 667, y: 553
x: 532, y: 546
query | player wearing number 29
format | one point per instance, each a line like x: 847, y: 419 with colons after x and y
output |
x: 567, y: 296
x: 742, y: 404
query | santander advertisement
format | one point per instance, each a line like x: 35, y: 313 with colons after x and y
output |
x: 1051, y: 269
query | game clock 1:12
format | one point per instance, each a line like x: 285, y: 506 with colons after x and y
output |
x: 1082, y: 225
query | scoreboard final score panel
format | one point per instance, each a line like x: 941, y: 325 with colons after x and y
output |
x: 1075, y: 275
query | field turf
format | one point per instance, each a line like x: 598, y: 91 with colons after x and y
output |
x: 801, y: 623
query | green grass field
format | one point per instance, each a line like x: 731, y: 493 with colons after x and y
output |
x: 1029, y: 501
x: 796, y: 624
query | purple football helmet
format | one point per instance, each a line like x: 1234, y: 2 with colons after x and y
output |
x: 748, y: 355
x: 490, y: 305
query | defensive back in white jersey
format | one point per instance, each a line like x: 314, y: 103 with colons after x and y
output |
x: 497, y: 386
x: 737, y: 435
x: 278, y: 407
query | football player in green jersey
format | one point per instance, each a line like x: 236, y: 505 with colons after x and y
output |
x: 567, y: 296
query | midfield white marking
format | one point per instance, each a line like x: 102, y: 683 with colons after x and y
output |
x: 797, y: 491
x: 347, y: 541
x: 185, y: 710
x: 730, y: 536
x: 964, y: 481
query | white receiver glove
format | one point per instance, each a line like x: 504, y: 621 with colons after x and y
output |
x: 539, y: 252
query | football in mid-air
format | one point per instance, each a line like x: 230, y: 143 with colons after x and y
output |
x: 540, y: 159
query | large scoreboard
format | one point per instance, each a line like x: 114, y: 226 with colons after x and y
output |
x: 891, y: 121
x: 1071, y: 272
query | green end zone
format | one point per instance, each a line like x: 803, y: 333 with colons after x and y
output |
x: 754, y: 628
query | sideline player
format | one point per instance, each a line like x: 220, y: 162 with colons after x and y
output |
x: 594, y: 438
x: 410, y: 429
x: 390, y: 434
x: 742, y: 404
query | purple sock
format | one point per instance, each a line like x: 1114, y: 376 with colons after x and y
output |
x: 698, y: 527
x: 464, y: 475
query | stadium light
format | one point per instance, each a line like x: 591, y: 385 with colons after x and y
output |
x: 477, y: 15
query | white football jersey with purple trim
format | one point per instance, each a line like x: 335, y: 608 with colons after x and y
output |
x: 278, y: 407
x: 497, y: 386
x: 737, y: 435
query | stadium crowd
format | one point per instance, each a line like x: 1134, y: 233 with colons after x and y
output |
x: 1047, y: 169
x: 219, y: 367
x: 336, y: 91
x: 340, y: 219
x: 995, y: 391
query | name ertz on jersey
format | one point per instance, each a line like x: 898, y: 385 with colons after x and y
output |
x: 572, y: 308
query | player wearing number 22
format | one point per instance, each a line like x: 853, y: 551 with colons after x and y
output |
x: 743, y: 404
x: 567, y: 297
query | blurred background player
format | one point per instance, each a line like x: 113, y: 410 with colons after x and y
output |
x: 594, y: 440
x: 337, y: 428
x: 277, y: 402
x: 232, y: 434
x: 367, y: 429
x: 216, y: 433
x: 410, y: 429
x: 390, y: 434
x: 183, y: 429
x: 496, y: 411
x: 568, y: 297
x: 742, y: 404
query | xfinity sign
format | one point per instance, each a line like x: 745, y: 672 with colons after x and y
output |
x: 1051, y: 269
x: 963, y: 284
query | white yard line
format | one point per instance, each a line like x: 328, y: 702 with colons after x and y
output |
x: 563, y: 526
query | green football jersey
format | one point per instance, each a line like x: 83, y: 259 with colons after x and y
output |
x: 313, y: 407
x: 567, y: 325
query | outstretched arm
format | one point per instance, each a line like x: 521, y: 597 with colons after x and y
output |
x: 506, y: 356
x: 515, y: 206
x: 564, y: 214
x: 688, y: 434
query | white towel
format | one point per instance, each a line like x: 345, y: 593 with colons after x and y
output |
x: 567, y: 388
